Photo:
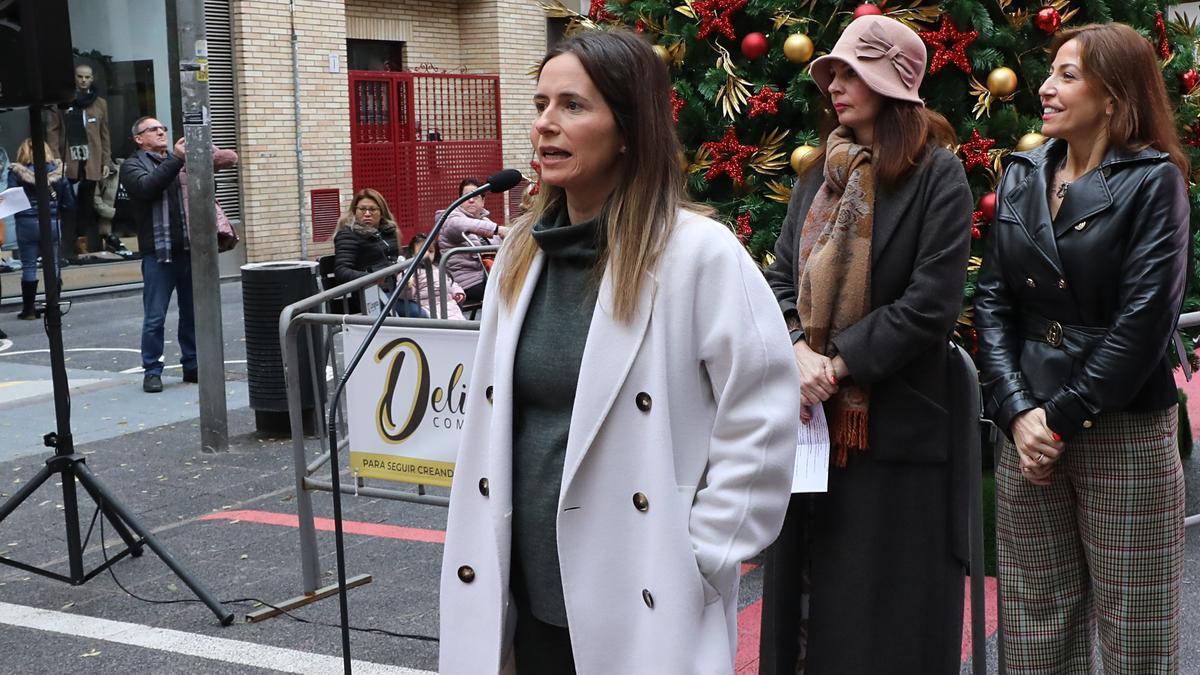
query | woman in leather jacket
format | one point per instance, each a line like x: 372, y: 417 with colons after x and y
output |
x: 1077, y: 302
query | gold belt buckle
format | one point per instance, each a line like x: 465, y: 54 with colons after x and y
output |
x: 1054, y: 334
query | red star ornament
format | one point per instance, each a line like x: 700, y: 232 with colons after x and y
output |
x: 729, y: 156
x: 743, y: 227
x: 765, y: 102
x: 676, y: 105
x: 717, y: 15
x: 949, y: 45
x: 975, y: 151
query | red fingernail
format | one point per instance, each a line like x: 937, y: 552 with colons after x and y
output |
x: 1056, y: 436
x: 833, y: 378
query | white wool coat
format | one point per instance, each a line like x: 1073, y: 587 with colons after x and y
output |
x: 678, y: 467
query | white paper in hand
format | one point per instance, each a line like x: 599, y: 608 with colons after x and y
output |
x: 14, y: 201
x: 811, y: 473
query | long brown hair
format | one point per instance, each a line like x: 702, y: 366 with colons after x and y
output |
x: 1119, y: 63
x: 640, y: 213
x: 385, y: 216
x: 903, y: 132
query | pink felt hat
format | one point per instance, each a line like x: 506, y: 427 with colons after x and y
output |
x: 887, y: 55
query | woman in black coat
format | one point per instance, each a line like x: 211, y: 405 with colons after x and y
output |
x: 1078, y: 298
x: 867, y: 578
x: 366, y: 239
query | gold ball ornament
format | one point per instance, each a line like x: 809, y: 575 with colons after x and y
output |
x: 1002, y: 81
x: 1030, y: 141
x: 663, y: 53
x: 801, y: 155
x: 798, y: 48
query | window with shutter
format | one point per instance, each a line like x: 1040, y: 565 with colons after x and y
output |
x: 222, y: 99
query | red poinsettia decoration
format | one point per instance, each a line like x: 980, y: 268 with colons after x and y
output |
x: 765, y: 102
x: 677, y: 104
x: 949, y: 45
x: 600, y: 14
x: 717, y: 15
x: 729, y: 156
x: 1164, y: 45
x: 975, y: 151
x: 743, y: 227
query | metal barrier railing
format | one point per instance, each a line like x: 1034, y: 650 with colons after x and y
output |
x: 444, y: 275
x: 1190, y: 320
x: 296, y: 322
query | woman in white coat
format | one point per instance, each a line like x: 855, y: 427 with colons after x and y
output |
x: 632, y: 412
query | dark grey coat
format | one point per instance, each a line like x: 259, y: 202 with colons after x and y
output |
x: 884, y: 546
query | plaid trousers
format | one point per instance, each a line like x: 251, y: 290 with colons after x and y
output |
x: 1101, y: 547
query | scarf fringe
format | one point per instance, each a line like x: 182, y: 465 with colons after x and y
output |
x: 849, y: 434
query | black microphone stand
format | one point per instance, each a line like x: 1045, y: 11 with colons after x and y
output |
x: 341, y: 385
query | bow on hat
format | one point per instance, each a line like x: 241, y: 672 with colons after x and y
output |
x: 875, y: 45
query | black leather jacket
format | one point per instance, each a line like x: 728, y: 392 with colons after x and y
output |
x: 1076, y: 313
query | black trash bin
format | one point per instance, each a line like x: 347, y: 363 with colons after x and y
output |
x: 266, y: 289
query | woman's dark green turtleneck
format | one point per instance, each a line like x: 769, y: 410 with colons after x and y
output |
x: 545, y: 375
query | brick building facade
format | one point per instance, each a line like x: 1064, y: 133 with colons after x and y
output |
x: 502, y: 37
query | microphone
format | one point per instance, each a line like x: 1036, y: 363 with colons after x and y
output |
x: 499, y: 182
x: 504, y: 180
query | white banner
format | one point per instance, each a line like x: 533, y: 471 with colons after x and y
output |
x: 405, y: 402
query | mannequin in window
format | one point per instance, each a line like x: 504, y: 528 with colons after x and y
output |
x: 79, y: 134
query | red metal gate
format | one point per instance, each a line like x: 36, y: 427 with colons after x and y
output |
x: 414, y: 136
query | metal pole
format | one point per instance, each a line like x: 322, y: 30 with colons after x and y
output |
x: 202, y: 225
x: 299, y: 133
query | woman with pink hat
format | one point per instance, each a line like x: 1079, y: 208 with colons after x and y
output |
x: 868, y: 578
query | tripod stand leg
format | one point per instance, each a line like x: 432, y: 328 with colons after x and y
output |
x: 132, y: 543
x: 95, y: 487
x: 74, y: 541
x: 25, y: 491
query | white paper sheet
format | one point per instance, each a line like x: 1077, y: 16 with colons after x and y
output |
x: 811, y: 473
x: 14, y: 201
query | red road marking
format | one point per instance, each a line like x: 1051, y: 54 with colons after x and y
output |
x: 749, y: 619
x: 326, y: 525
x: 991, y: 617
x: 749, y: 630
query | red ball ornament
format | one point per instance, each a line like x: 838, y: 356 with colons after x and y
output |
x: 867, y: 9
x: 1188, y: 80
x: 987, y: 206
x: 754, y: 46
x: 1047, y: 20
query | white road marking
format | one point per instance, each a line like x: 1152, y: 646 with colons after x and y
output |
x: 138, y: 369
x: 189, y: 644
x: 75, y: 349
x: 5, y: 345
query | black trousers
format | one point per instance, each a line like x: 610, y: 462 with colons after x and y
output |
x: 541, y: 648
x: 475, y: 293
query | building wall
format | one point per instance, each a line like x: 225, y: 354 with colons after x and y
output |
x: 504, y: 37
x: 511, y: 41
x: 273, y: 211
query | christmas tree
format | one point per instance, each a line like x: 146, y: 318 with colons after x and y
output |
x: 748, y: 110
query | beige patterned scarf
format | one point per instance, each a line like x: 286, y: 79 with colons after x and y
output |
x: 835, y: 275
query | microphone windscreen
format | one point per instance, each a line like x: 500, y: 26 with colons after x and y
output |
x: 504, y: 180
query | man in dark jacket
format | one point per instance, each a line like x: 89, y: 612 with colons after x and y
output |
x: 151, y: 178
